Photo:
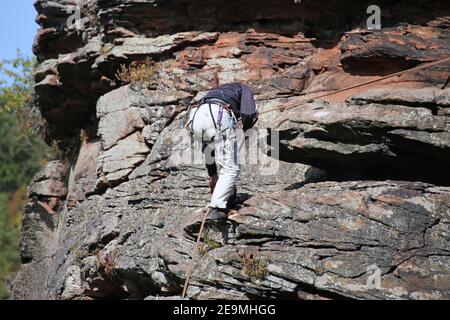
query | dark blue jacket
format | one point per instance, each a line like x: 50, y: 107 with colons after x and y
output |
x: 241, y: 99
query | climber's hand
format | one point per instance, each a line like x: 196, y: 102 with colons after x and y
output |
x: 212, y: 183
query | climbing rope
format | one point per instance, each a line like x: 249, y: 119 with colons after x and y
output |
x: 194, y: 254
x: 297, y: 103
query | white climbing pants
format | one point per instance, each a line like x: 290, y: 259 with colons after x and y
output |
x: 222, y: 141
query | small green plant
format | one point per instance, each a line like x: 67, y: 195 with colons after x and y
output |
x: 202, y: 250
x: 208, y: 244
x: 211, y: 243
x: 255, y: 267
x: 137, y: 71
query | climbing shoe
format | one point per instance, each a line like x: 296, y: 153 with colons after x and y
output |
x: 219, y: 215
x: 232, y: 201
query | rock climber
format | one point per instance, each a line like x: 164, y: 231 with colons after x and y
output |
x: 213, y: 121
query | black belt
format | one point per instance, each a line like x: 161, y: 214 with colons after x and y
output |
x: 218, y: 101
x: 224, y: 104
x: 215, y: 100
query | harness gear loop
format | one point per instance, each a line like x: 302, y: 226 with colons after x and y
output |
x: 212, y: 117
x: 190, y: 123
x: 219, y: 117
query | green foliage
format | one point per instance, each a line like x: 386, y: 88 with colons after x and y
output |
x: 9, y: 239
x: 211, y: 243
x: 22, y: 150
x: 22, y: 154
x: 19, y: 93
x: 208, y: 244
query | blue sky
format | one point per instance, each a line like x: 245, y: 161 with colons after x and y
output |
x: 17, y: 27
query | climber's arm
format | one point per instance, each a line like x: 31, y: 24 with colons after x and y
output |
x: 212, y: 169
x: 248, y: 110
x: 210, y: 165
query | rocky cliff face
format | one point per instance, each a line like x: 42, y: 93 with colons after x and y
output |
x: 360, y: 185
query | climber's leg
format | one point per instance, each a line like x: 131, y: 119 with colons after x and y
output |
x: 233, y: 199
x: 226, y: 154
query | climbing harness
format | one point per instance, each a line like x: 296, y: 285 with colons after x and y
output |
x: 219, y: 117
x: 212, y: 116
